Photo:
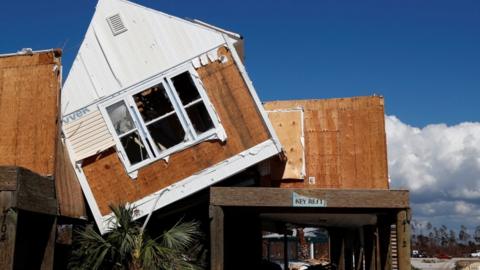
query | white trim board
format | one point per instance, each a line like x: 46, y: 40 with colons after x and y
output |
x: 253, y: 93
x: 185, y: 187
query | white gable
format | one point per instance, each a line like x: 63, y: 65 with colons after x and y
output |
x: 111, y: 58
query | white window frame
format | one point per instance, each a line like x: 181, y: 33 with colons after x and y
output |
x: 192, y: 137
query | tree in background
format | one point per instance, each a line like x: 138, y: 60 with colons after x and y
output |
x: 127, y: 246
x: 431, y: 240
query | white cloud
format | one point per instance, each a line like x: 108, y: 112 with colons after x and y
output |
x: 440, y: 165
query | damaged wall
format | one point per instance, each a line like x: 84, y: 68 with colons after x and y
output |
x: 239, y: 116
x: 29, y: 92
x: 345, y: 142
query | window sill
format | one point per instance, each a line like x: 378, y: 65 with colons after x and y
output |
x: 217, y: 134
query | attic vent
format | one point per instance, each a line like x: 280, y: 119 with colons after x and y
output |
x: 116, y: 24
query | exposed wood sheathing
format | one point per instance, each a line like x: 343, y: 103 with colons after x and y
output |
x: 29, y: 89
x: 288, y: 125
x: 345, y: 142
x: 238, y: 114
x: 69, y: 193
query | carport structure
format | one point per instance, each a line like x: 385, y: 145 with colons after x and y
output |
x: 359, y: 223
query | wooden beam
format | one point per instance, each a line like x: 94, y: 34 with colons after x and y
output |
x: 30, y: 191
x: 403, y: 239
x: 216, y: 238
x: 334, y: 198
x: 8, y: 178
x: 8, y: 230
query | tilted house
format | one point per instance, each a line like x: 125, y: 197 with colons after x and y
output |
x: 156, y: 108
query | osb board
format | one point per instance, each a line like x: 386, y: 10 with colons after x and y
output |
x: 70, y: 198
x: 29, y: 89
x: 345, y: 142
x: 239, y: 116
x: 288, y: 125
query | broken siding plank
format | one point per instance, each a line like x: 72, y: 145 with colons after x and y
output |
x: 237, y: 112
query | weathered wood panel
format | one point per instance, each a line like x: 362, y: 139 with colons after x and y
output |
x: 345, y: 142
x: 8, y: 178
x: 32, y: 192
x: 216, y: 238
x: 8, y: 220
x: 239, y: 116
x: 288, y: 125
x: 403, y: 239
x: 334, y: 198
x: 29, y: 89
x: 70, y: 198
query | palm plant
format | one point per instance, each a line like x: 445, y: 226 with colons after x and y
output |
x: 127, y: 246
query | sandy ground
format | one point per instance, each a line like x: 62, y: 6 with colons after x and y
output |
x: 438, y: 264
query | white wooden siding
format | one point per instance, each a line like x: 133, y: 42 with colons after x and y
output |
x: 153, y: 43
x: 88, y: 136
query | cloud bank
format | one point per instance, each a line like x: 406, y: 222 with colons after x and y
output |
x: 440, y: 165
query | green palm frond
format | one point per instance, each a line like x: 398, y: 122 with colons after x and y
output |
x: 125, y: 246
x: 181, y: 235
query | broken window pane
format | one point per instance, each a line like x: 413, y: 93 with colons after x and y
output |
x: 153, y: 103
x: 167, y: 132
x: 185, y: 87
x: 134, y: 148
x: 199, y: 117
x: 121, y: 119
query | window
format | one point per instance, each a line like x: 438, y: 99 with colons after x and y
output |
x: 155, y: 120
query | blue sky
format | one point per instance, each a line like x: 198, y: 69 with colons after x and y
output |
x: 423, y: 56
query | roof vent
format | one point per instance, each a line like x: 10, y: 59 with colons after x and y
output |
x: 116, y: 24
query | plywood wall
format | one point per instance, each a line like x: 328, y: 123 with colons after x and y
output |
x: 71, y: 202
x: 345, y: 142
x: 29, y: 90
x: 239, y: 116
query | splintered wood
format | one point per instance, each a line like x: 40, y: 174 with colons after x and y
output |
x: 239, y: 116
x: 288, y: 125
x: 29, y: 89
x: 345, y: 142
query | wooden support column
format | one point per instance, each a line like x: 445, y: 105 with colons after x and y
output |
x: 8, y: 230
x: 384, y: 244
x: 403, y: 239
x: 216, y: 237
x: 349, y: 248
x: 370, y: 240
x: 337, y: 248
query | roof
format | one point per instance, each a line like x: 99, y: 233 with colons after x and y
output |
x: 150, y: 41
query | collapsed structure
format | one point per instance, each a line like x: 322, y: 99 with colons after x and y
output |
x: 156, y: 104
x: 156, y: 109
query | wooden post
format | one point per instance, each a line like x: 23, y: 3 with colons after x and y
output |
x: 370, y: 241
x: 48, y: 256
x: 348, y: 249
x: 337, y: 248
x: 8, y: 230
x: 384, y: 244
x: 216, y: 237
x: 285, y: 250
x: 403, y: 239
